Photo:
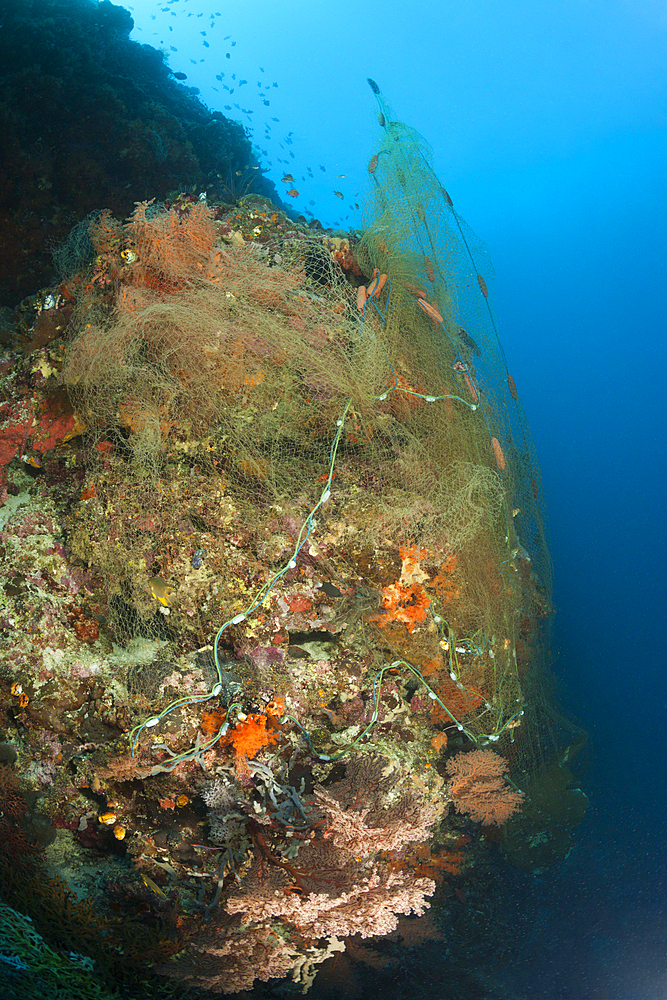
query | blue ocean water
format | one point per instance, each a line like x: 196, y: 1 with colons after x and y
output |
x: 548, y: 129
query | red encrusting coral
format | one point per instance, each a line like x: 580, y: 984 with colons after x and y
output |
x: 405, y: 604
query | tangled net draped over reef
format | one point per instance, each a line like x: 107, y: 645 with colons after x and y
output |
x: 311, y: 526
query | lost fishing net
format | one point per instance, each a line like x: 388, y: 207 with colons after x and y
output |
x: 267, y: 410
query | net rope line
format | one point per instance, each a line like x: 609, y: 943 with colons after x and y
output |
x: 309, y: 524
x: 464, y: 369
x: 385, y: 120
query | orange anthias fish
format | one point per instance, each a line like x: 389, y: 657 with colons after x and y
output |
x: 430, y: 310
x: 293, y: 193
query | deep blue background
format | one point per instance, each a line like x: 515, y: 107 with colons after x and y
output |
x: 548, y: 126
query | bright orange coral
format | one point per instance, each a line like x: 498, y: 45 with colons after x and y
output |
x: 411, y: 557
x: 408, y: 605
x: 405, y: 601
x: 172, y: 247
x: 248, y: 737
x: 212, y: 721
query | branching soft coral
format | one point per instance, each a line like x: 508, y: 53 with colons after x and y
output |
x: 171, y: 247
x: 479, y: 788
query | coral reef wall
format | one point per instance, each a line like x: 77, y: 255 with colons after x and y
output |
x: 89, y: 118
x: 274, y: 601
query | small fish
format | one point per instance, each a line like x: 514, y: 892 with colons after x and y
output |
x: 287, y: 179
x: 293, y: 193
x: 446, y: 197
x: 430, y: 310
x: 34, y: 460
x: 150, y: 884
x: 339, y: 194
x: 181, y: 76
x: 161, y: 591
x: 469, y: 342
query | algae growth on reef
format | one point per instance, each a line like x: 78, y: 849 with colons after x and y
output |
x: 276, y: 589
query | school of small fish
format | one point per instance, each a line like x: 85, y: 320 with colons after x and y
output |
x: 223, y: 47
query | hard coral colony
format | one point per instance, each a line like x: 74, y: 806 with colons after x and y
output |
x: 261, y: 606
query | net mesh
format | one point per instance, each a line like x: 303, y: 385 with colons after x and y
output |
x: 227, y: 387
